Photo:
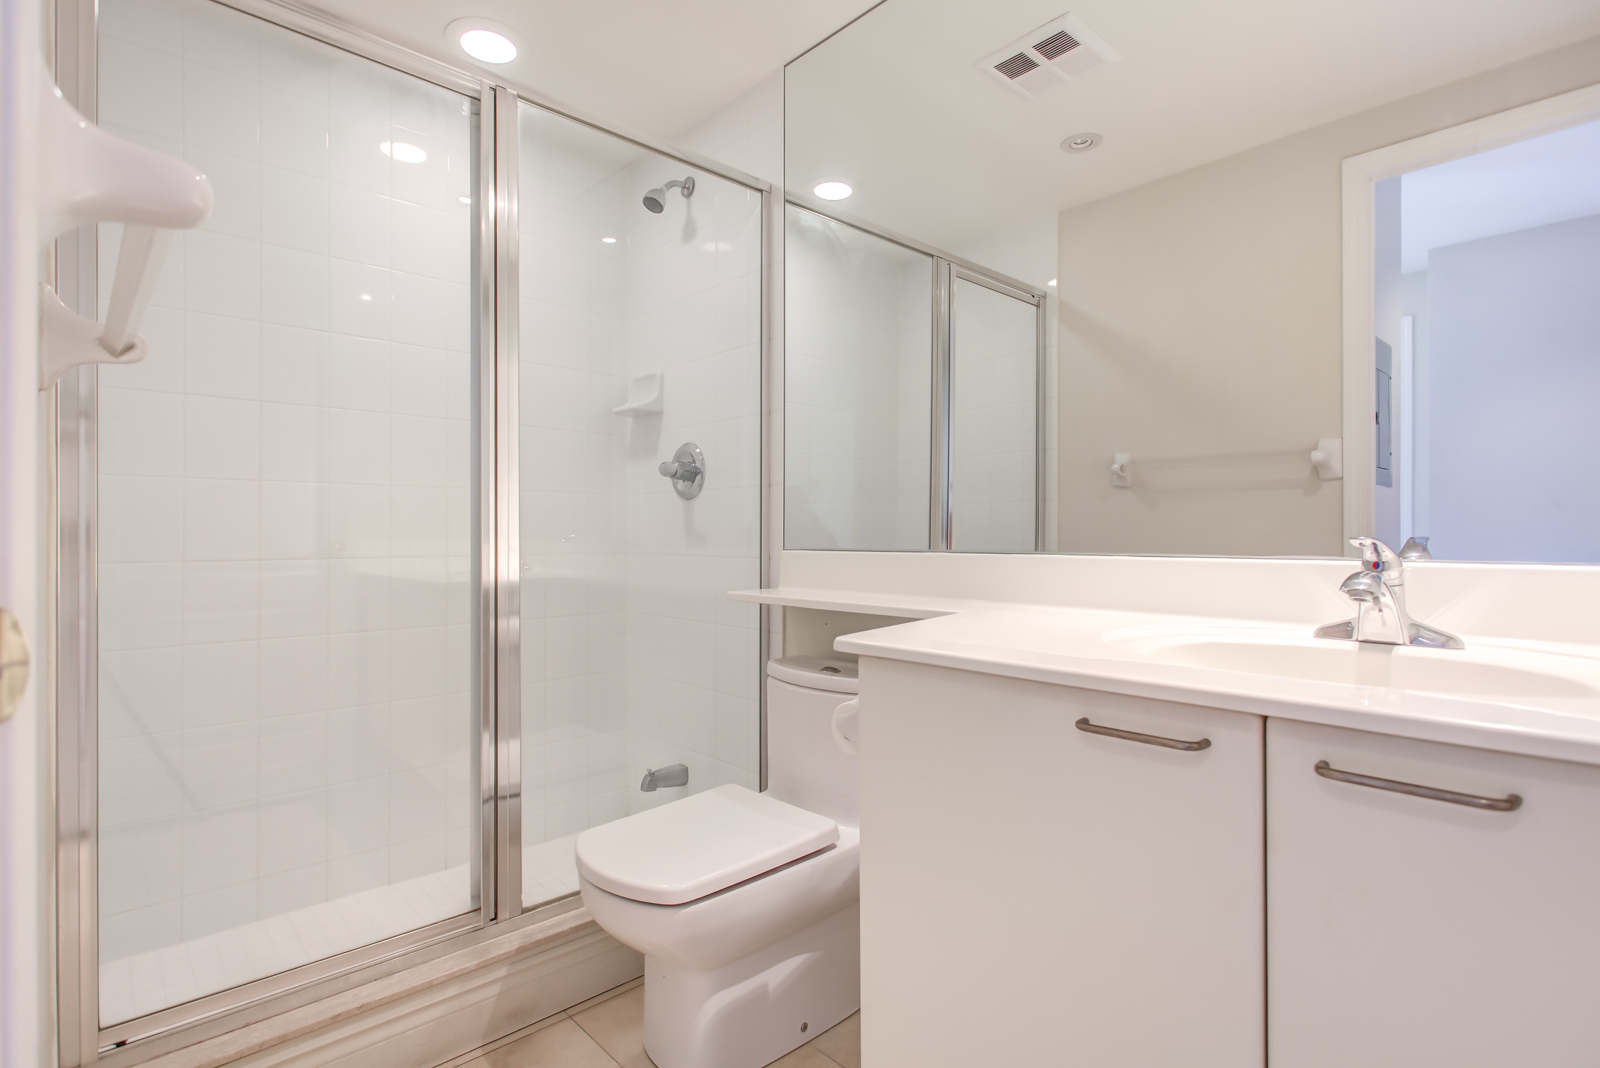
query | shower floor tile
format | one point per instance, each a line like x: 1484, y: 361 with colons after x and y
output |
x: 149, y: 982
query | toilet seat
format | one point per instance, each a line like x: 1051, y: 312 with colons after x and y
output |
x: 692, y: 848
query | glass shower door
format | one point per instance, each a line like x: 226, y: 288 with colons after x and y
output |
x: 285, y: 516
x: 640, y: 332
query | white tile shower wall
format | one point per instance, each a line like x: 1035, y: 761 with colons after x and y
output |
x: 572, y: 197
x: 694, y: 314
x: 632, y: 657
x: 748, y: 133
x: 284, y: 497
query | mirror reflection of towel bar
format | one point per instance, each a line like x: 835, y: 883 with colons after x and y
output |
x: 1276, y: 469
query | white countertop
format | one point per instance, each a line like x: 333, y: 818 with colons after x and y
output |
x: 1109, y: 650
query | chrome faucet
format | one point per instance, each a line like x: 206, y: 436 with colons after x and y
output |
x: 1379, y: 592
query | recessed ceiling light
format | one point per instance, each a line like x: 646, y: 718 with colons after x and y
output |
x: 487, y: 46
x: 832, y: 189
x: 485, y: 40
x: 609, y: 240
x: 1081, y: 142
x: 466, y: 200
x: 1051, y: 282
x: 401, y: 152
x: 366, y: 296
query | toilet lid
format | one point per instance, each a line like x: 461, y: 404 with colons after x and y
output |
x: 687, y: 849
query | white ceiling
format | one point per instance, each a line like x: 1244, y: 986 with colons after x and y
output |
x: 1531, y: 183
x: 657, y: 66
x: 938, y: 150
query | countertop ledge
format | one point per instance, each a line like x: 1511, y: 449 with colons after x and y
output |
x: 1066, y: 646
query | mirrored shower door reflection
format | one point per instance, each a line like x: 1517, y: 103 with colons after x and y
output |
x: 285, y: 516
x: 995, y: 351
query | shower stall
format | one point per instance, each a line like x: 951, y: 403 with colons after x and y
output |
x: 370, y: 593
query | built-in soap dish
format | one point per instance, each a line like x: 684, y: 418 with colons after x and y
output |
x: 644, y: 396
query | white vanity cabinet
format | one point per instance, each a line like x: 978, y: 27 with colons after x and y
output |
x: 1036, y: 894
x: 1406, y: 932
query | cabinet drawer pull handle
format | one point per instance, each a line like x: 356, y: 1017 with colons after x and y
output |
x: 1147, y: 739
x: 1509, y: 803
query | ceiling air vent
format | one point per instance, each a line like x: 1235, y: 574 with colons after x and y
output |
x: 1049, y: 57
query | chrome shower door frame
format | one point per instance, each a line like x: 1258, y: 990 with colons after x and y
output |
x: 951, y: 271
x: 495, y: 567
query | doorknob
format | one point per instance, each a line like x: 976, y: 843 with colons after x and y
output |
x: 15, y: 663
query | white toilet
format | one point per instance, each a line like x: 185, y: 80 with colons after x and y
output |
x: 745, y: 905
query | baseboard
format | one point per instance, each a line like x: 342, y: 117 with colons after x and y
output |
x: 456, y: 1004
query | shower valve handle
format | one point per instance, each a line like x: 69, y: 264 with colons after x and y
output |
x: 685, y: 472
x: 687, y: 469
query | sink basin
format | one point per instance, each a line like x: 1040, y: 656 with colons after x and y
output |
x: 1473, y: 672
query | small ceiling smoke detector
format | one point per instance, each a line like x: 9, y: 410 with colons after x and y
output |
x: 1049, y: 57
x: 485, y: 40
x: 1081, y: 142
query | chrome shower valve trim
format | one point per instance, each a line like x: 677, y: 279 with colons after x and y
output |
x: 687, y: 469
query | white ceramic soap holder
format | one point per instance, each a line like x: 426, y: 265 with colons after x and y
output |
x: 644, y: 396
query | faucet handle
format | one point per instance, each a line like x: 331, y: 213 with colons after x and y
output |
x: 1376, y: 556
x: 1415, y: 549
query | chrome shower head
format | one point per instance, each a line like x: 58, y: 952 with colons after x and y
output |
x: 656, y: 199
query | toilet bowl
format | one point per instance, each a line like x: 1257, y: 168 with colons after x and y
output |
x: 745, y: 905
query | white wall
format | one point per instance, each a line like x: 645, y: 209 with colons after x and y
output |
x: 27, y: 848
x: 1514, y: 367
x: 284, y: 501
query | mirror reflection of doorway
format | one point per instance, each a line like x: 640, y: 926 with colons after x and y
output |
x: 1486, y: 272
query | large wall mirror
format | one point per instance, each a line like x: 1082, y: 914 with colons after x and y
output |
x: 1241, y: 279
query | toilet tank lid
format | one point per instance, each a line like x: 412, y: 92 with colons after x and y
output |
x: 687, y: 849
x: 833, y: 673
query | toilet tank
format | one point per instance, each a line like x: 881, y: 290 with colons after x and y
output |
x: 805, y: 766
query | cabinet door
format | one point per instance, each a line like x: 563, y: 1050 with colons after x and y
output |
x: 1033, y: 894
x: 1410, y: 932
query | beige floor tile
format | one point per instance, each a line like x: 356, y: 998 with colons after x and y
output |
x: 561, y: 1045
x: 807, y: 1056
x: 842, y: 1041
x: 617, y: 1024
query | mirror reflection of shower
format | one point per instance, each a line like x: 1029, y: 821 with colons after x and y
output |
x: 656, y: 199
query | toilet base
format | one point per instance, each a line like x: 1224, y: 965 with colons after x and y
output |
x: 749, y: 1013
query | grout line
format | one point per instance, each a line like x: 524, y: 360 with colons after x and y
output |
x: 605, y: 996
x: 540, y: 1025
x: 504, y: 1040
